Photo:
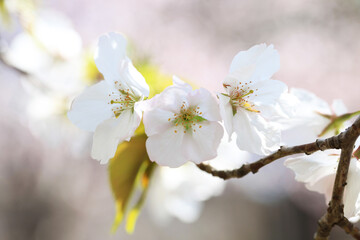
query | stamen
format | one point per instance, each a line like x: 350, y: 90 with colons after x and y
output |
x: 239, y: 98
x: 122, y: 100
x: 188, y: 117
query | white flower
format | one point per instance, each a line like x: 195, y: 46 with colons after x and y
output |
x: 52, y: 37
x: 318, y: 172
x: 308, y: 121
x: 251, y: 104
x: 182, y: 125
x: 229, y: 155
x: 180, y: 192
x: 111, y: 107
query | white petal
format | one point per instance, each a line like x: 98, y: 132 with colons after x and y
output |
x: 339, y: 107
x: 357, y: 143
x: 306, y: 123
x: 207, y: 104
x: 25, y: 54
x: 285, y: 110
x: 112, y: 62
x: 170, y: 100
x: 267, y: 93
x: 157, y: 121
x: 302, y: 133
x: 177, y: 82
x: 91, y: 107
x: 202, y: 144
x: 55, y: 34
x: 132, y: 78
x: 255, y: 134
x: 317, y: 171
x: 352, y: 191
x: 324, y: 186
x: 226, y: 113
x: 110, y: 53
x: 111, y: 132
x: 310, y: 169
x: 165, y: 148
x: 264, y: 60
x: 311, y: 102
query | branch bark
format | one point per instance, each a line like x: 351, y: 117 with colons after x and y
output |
x: 349, y: 228
x: 335, y: 212
x: 329, y: 143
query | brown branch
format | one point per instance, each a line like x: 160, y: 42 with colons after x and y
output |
x: 335, y: 212
x: 329, y: 143
x: 349, y: 228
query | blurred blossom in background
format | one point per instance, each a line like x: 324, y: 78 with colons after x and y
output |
x: 50, y: 188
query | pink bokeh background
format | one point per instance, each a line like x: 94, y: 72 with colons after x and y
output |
x: 47, y: 192
x: 317, y: 40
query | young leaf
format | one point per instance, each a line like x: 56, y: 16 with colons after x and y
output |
x: 143, y: 180
x: 337, y: 122
x: 123, y: 172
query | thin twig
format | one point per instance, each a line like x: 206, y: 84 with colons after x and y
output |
x: 335, y: 212
x: 329, y: 143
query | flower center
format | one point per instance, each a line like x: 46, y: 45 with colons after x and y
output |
x: 189, y: 118
x: 122, y: 100
x: 240, y: 97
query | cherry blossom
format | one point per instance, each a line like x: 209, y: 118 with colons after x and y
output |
x: 182, y: 125
x: 180, y: 193
x: 318, y: 172
x: 312, y: 115
x: 112, y: 107
x: 251, y: 103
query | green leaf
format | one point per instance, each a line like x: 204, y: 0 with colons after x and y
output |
x: 124, y: 171
x: 337, y: 122
x: 144, y: 180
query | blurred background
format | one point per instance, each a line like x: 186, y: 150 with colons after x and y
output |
x: 50, y: 188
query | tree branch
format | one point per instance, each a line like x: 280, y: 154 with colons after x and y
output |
x: 335, y: 212
x: 329, y: 143
x: 349, y: 228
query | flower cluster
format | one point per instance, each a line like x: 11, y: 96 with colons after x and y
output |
x: 182, y: 124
